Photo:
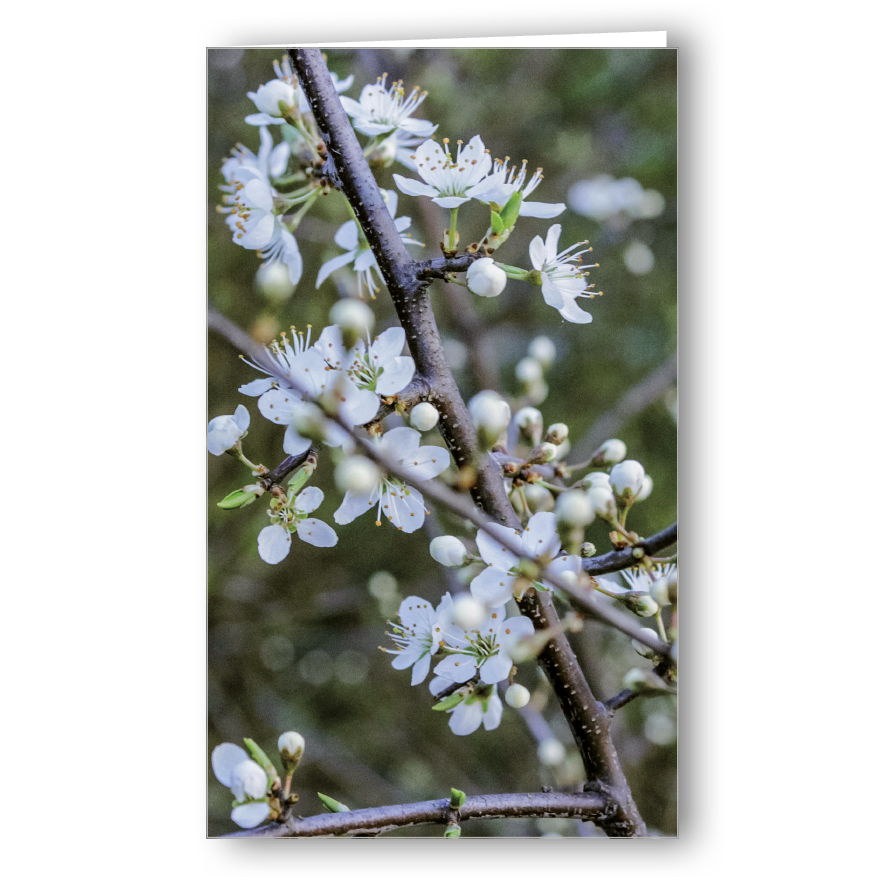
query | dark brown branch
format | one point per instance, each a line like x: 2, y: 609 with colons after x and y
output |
x: 615, y: 561
x: 439, y: 268
x: 628, y: 695
x: 287, y: 466
x: 409, y: 292
x: 587, y: 806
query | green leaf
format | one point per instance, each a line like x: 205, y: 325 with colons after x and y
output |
x: 331, y: 805
x: 261, y: 758
x: 496, y: 225
x: 239, y: 498
x: 511, y: 211
x: 453, y: 832
x: 448, y: 702
x: 300, y: 477
x: 457, y: 798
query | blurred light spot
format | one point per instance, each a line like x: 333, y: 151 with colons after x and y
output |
x: 351, y: 666
x: 276, y: 652
x: 638, y: 258
x: 456, y: 354
x: 603, y: 197
x: 660, y: 729
x: 382, y: 585
x: 243, y: 588
x: 316, y: 666
x: 651, y: 205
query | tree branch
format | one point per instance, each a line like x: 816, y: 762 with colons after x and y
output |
x: 615, y: 561
x: 587, y: 806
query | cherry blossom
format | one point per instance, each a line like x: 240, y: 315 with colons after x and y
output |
x: 247, y: 780
x: 479, y: 705
x: 225, y: 430
x: 418, y: 635
x: 382, y: 109
x: 274, y: 541
x: 561, y: 275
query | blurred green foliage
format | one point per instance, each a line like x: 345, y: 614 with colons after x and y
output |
x: 295, y: 646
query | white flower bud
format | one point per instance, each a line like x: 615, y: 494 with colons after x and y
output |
x: 268, y: 97
x: 291, y: 746
x: 423, y: 417
x: 558, y: 433
x: 529, y: 370
x: 645, y: 489
x: 538, y: 498
x: 449, y: 551
x: 610, y: 452
x: 602, y: 501
x: 551, y: 752
x: 548, y: 452
x: 574, y: 509
x: 530, y: 423
x: 588, y: 549
x: 272, y: 281
x: 645, y: 606
x: 626, y: 479
x: 249, y: 780
x: 597, y: 478
x: 635, y: 679
x: 356, y: 474
x: 659, y: 592
x: 517, y: 696
x: 291, y: 742
x: 226, y: 430
x: 486, y: 278
x: 543, y: 350
x: 644, y: 650
x: 352, y: 313
x: 468, y: 612
x: 490, y: 415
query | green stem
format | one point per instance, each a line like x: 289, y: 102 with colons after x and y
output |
x: 453, y: 217
x: 661, y: 628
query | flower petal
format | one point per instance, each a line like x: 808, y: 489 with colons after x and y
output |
x: 387, y: 345
x: 541, y: 210
x: 492, y: 714
x: 450, y: 202
x: 397, y: 374
x: 294, y: 443
x: 551, y: 241
x: 540, y: 538
x: 414, y: 188
x: 496, y: 668
x: 309, y: 499
x: 274, y: 543
x: 406, y: 509
x: 426, y: 462
x: 420, y: 671
x: 316, y: 533
x: 537, y: 253
x: 457, y: 668
x: 573, y: 313
x: 276, y: 404
x: 250, y: 815
x: 256, y: 388
x: 241, y: 417
x: 495, y: 553
x: 400, y: 443
x: 225, y: 759
x: 355, y: 505
x: 492, y: 587
x: 466, y: 718
x: 333, y: 265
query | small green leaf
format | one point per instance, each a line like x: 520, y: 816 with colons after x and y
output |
x: 301, y: 476
x: 239, y: 498
x: 331, y: 805
x: 449, y: 702
x: 496, y: 225
x: 453, y: 832
x: 511, y: 211
x: 261, y: 758
x: 457, y: 798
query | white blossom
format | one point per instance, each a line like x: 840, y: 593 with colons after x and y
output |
x: 494, y: 586
x: 401, y: 504
x: 448, y: 182
x: 626, y: 479
x: 270, y: 161
x: 502, y: 183
x: 486, y: 279
x: 639, y: 581
x: 384, y: 108
x: 418, y: 635
x: 562, y: 275
x: 449, y: 551
x: 225, y: 430
x: 247, y: 780
x: 275, y: 540
x: 479, y: 705
x: 350, y: 237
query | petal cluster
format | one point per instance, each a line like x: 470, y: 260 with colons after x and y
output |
x: 449, y: 182
x: 383, y: 108
x: 274, y: 541
x: 234, y: 768
x: 418, y: 634
x: 225, y: 430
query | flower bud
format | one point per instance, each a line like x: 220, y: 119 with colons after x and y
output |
x: 588, y: 549
x: 452, y: 832
x: 659, y: 592
x: 551, y: 752
x: 356, y: 474
x: 331, y: 805
x: 645, y: 489
x: 384, y: 154
x: 249, y: 780
x: 449, y: 551
x: 291, y: 746
x: 642, y: 605
x: 269, y: 96
x: 490, y: 414
x: 423, y: 417
x: 485, y: 278
x: 530, y: 424
x: 597, y: 478
x: 543, y: 350
x: 538, y: 498
x: 602, y: 501
x: 272, y: 281
x: 627, y: 480
x: 637, y: 679
x: 547, y: 452
x: 641, y: 648
x: 517, y: 696
x: 468, y: 612
x: 353, y: 317
x: 574, y: 509
x: 557, y: 434
x: 673, y: 582
x: 529, y: 371
x: 609, y: 453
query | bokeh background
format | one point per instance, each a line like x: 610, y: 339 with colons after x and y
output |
x: 295, y: 646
